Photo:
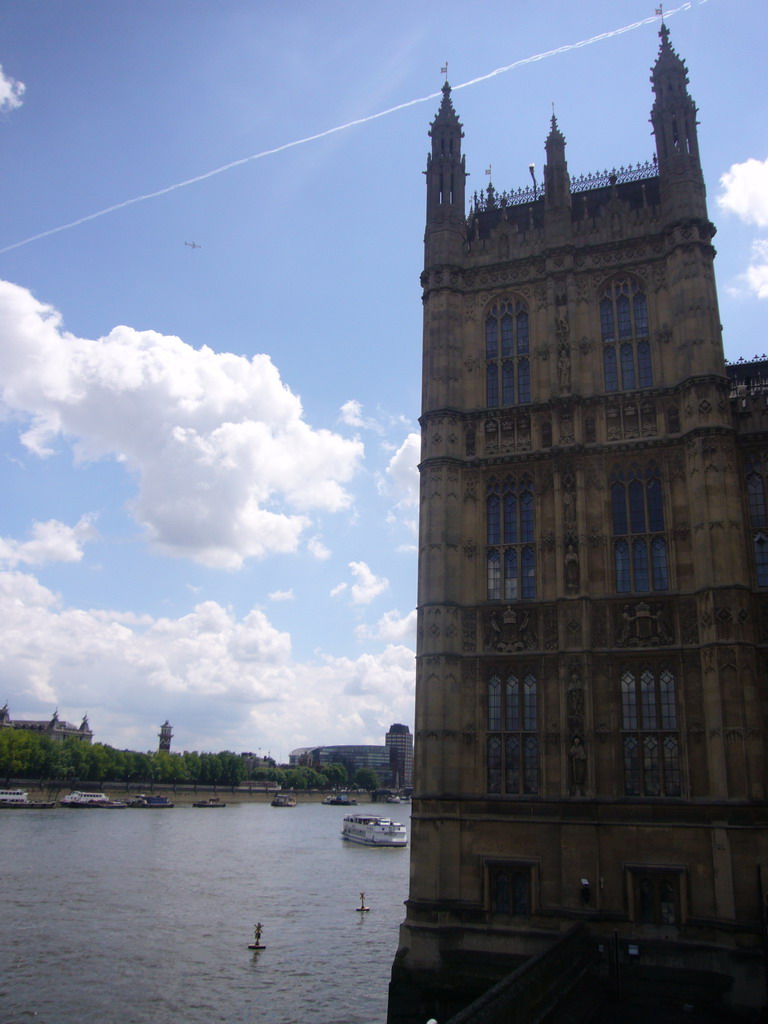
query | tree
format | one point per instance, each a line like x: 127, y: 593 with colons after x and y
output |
x: 365, y: 778
x: 336, y: 774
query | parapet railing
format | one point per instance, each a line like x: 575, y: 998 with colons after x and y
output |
x: 490, y: 199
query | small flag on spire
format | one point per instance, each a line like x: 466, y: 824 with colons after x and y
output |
x: 488, y: 170
x: 444, y: 69
x: 660, y: 11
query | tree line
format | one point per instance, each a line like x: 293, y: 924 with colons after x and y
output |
x: 28, y: 755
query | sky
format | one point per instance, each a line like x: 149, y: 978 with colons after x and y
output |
x: 208, y: 454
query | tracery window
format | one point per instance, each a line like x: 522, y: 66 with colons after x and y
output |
x: 507, y: 355
x: 512, y: 734
x: 510, y: 889
x: 758, y: 516
x: 639, y: 534
x: 511, y: 554
x: 656, y: 895
x: 650, y: 732
x: 625, y: 334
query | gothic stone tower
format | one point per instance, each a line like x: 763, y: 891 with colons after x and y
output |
x: 591, y: 698
x: 166, y: 734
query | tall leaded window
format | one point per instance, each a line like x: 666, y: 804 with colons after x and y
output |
x: 511, y: 553
x: 625, y: 334
x: 510, y: 889
x: 639, y: 534
x: 656, y: 896
x: 650, y: 732
x: 512, y: 747
x: 758, y: 516
x: 507, y: 355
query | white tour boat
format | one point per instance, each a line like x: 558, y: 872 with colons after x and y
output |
x: 371, y: 830
x: 80, y: 799
x: 20, y: 798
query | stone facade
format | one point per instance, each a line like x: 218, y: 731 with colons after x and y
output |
x: 593, y: 592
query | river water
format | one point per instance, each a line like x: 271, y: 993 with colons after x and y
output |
x: 144, y: 916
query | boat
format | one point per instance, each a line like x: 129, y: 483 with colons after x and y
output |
x: 341, y: 800
x: 393, y: 798
x: 142, y: 800
x: 284, y: 800
x: 20, y: 798
x: 78, y: 798
x: 211, y: 802
x: 371, y: 830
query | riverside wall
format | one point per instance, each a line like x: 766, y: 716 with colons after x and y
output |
x: 179, y: 794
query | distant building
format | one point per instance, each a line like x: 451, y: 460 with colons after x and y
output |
x: 166, y: 734
x: 54, y: 728
x: 400, y: 743
x: 392, y: 762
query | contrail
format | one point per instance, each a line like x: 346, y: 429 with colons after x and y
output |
x: 352, y: 124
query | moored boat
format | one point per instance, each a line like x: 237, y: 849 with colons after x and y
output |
x: 211, y: 802
x: 142, y: 800
x: 284, y: 800
x: 371, y: 830
x: 341, y: 800
x: 20, y: 798
x: 78, y: 798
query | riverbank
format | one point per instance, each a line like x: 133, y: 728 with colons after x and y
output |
x: 179, y: 795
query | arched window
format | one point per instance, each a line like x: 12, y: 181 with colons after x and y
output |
x: 758, y: 516
x: 507, y: 359
x: 650, y: 739
x: 640, y: 560
x: 512, y: 741
x: 510, y: 889
x: 511, y: 553
x: 624, y: 330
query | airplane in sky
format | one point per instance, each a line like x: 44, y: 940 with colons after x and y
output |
x: 193, y: 245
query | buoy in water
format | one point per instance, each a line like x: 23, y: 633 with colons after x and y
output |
x: 362, y: 909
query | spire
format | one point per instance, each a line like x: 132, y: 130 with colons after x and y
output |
x: 445, y: 164
x: 557, y: 186
x: 673, y: 117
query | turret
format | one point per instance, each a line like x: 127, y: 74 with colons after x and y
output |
x: 557, y: 185
x: 673, y: 117
x: 446, y: 176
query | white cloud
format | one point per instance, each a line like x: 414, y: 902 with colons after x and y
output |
x: 368, y: 585
x: 10, y: 92
x: 281, y: 595
x: 216, y: 678
x: 757, y: 272
x: 403, y: 472
x: 745, y: 191
x: 317, y: 549
x: 52, y: 541
x: 391, y: 627
x: 352, y: 415
x: 227, y: 468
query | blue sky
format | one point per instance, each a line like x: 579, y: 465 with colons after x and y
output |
x: 209, y: 454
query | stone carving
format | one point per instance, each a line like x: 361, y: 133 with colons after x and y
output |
x: 550, y: 629
x: 564, y: 369
x: 578, y: 758
x: 510, y: 631
x: 569, y: 499
x: 599, y: 626
x: 469, y: 626
x: 571, y: 567
x: 643, y: 626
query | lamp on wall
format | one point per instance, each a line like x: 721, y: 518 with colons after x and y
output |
x: 585, y: 890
